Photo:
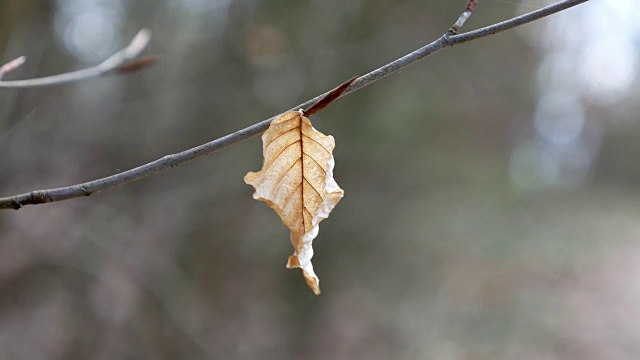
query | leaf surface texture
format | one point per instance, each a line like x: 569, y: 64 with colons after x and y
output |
x: 296, y: 180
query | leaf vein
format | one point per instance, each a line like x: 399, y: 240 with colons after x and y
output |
x: 286, y: 202
x: 316, y: 161
x: 313, y: 187
x: 268, y: 166
x: 317, y: 142
x: 276, y: 138
x: 284, y: 174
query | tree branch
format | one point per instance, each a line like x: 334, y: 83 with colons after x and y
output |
x: 120, y: 62
x: 169, y: 161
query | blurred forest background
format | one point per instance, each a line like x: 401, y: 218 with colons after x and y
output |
x: 492, y: 206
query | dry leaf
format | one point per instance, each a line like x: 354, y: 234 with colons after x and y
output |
x: 296, y: 180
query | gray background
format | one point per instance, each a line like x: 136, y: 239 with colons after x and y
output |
x: 491, y: 207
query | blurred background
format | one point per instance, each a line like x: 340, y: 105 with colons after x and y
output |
x: 492, y: 206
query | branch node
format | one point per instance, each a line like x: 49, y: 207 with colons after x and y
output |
x: 40, y: 197
x: 15, y: 204
x: 85, y: 191
x: 459, y: 23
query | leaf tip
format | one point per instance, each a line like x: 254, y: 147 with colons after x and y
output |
x: 309, y: 276
x: 313, y: 284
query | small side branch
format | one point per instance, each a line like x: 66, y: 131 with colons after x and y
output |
x: 11, y: 65
x: 169, y: 161
x: 468, y: 10
x: 120, y: 62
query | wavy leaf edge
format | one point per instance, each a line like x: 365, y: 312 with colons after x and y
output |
x: 262, y: 180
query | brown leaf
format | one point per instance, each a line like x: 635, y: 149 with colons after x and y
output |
x: 329, y: 97
x: 296, y: 180
x: 137, y: 64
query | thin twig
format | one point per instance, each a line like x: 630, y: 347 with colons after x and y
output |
x: 11, y: 65
x: 121, y: 59
x: 169, y: 161
x: 468, y: 10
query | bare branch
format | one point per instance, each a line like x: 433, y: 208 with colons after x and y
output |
x: 169, y: 161
x: 112, y: 65
x: 11, y: 65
